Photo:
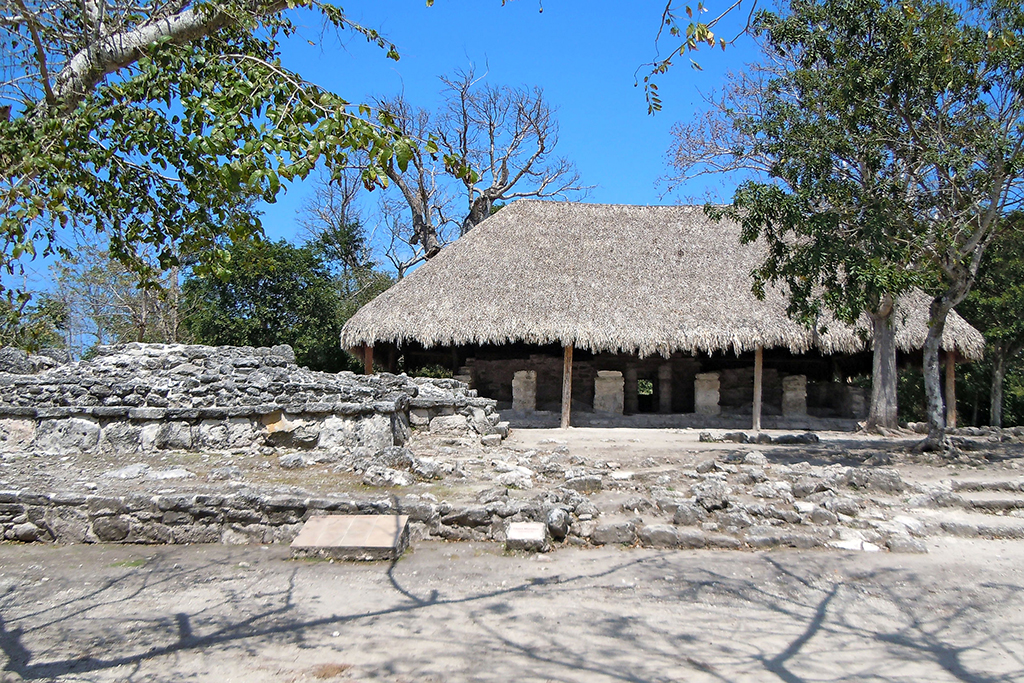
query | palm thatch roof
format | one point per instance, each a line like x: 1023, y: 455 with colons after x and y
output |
x: 636, y: 279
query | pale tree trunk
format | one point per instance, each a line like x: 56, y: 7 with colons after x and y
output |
x: 934, y: 409
x: 109, y: 53
x: 998, y: 375
x: 173, y: 306
x: 883, y: 411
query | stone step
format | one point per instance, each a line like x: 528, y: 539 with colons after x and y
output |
x: 989, y: 485
x: 353, y: 537
x: 995, y: 504
x: 971, y: 524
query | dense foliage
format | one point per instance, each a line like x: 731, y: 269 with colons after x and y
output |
x: 892, y: 138
x: 158, y: 123
x: 277, y: 293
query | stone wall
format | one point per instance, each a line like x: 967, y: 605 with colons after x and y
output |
x: 145, y: 397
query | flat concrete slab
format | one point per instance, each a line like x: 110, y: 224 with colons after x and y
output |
x: 531, y: 536
x: 353, y: 537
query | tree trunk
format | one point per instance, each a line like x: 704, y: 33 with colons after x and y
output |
x: 998, y: 375
x: 934, y: 409
x: 479, y: 211
x: 567, y: 387
x: 107, y: 54
x: 426, y: 234
x: 883, y: 411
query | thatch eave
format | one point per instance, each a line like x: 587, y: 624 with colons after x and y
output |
x: 608, y: 278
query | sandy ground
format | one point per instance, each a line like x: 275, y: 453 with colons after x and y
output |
x: 468, y: 612
x: 648, y: 453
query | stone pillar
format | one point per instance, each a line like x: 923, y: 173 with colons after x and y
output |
x: 524, y: 391
x: 794, y: 396
x: 608, y: 394
x: 632, y: 403
x: 705, y: 393
x: 665, y: 388
x: 856, y: 402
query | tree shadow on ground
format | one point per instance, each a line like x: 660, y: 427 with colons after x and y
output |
x: 640, y: 616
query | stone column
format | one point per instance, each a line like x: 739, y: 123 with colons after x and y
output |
x: 794, y: 396
x: 524, y: 391
x: 856, y: 402
x: 705, y: 393
x: 665, y: 388
x: 632, y: 403
x: 608, y: 394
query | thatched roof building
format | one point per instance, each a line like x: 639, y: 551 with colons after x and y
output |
x: 641, y: 280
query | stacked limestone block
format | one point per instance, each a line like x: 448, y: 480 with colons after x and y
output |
x: 145, y: 397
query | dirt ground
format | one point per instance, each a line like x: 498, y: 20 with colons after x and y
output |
x: 646, y: 454
x: 469, y: 612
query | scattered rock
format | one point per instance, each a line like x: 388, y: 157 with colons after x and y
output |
x: 134, y: 471
x: 291, y: 461
x: 468, y: 516
x: 659, y: 536
x: 395, y: 457
x: 885, y: 480
x: 821, y: 516
x: 688, y: 514
x: 427, y: 468
x: 615, y: 532
x: 171, y: 473
x: 905, y: 544
x: 636, y: 504
x: 585, y: 484
x: 386, y: 477
x: 558, y: 522
x: 711, y: 495
x: 26, y: 532
x: 228, y: 473
x: 755, y: 458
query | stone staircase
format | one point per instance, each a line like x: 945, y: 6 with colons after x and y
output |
x: 988, y: 508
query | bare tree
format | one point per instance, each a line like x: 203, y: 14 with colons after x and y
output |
x: 421, y: 183
x: 106, y: 304
x: 396, y: 239
x: 496, y: 145
x: 507, y: 137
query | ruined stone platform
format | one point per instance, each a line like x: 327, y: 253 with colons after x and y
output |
x: 353, y: 537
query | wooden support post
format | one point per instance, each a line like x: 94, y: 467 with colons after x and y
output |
x: 367, y: 360
x: 567, y: 386
x: 758, y: 369
x: 950, y: 390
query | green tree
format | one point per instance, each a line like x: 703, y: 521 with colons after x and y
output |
x: 106, y: 305
x: 995, y: 306
x: 890, y: 134
x: 33, y: 323
x: 156, y: 123
x: 274, y: 293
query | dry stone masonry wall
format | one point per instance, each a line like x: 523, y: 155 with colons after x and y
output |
x: 146, y: 397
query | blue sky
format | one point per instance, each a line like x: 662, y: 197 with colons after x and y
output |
x: 585, y: 55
